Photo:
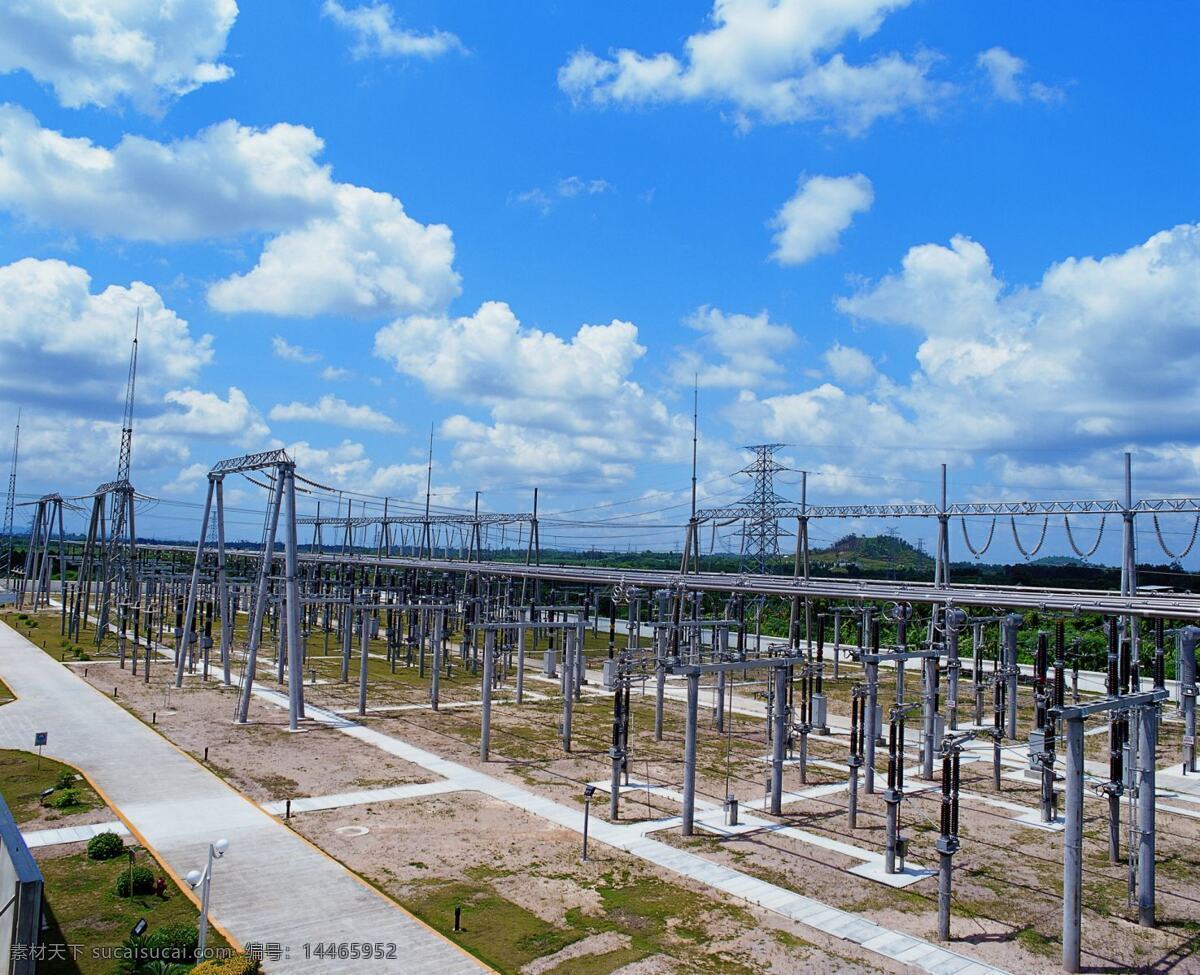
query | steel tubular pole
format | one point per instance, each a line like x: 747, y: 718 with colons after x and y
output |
x: 228, y: 618
x: 1073, y: 848
x: 260, y: 602
x: 188, y: 633
x: 202, y: 937
x: 292, y: 607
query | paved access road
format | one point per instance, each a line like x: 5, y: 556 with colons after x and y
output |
x: 271, y: 886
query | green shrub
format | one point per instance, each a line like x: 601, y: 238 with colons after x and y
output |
x: 143, y: 881
x: 65, y: 799
x: 234, y: 965
x: 105, y: 846
x: 163, y: 968
x: 175, y: 943
x: 65, y: 780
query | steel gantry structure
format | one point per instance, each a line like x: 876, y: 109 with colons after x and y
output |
x: 281, y: 472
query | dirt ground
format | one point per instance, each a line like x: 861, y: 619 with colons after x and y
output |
x: 1007, y: 879
x: 469, y: 839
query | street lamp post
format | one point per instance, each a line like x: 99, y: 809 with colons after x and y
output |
x: 196, y: 878
x: 588, y: 792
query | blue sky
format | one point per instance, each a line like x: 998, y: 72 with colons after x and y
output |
x: 888, y: 234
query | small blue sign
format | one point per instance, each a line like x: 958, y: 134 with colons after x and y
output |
x: 39, y: 738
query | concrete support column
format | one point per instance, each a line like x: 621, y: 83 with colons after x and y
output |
x: 364, y: 656
x: 1009, y: 626
x: 660, y: 686
x: 689, y: 755
x: 778, y: 739
x: 1073, y: 848
x: 930, y: 716
x: 1185, y: 670
x: 871, y: 728
x: 521, y: 631
x: 435, y: 684
x: 1148, y: 741
x: 945, y: 872
x: 347, y: 638
x: 568, y: 694
x: 485, y: 730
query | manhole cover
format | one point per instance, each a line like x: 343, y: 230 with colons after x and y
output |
x: 352, y: 830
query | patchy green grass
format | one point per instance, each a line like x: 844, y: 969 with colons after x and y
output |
x: 1037, y: 943
x: 656, y: 916
x: 6, y: 694
x: 23, y: 778
x: 83, y: 909
x: 494, y: 929
x: 601, y: 964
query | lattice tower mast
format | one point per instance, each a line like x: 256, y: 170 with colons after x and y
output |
x: 761, y: 529
x: 10, y: 504
x: 119, y: 555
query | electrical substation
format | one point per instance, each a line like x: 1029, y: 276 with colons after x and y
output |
x: 925, y: 773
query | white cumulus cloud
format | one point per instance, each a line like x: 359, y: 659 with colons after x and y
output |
x: 335, y: 411
x: 734, y: 350
x: 285, y: 350
x: 376, y: 33
x: 811, y: 222
x: 369, y: 258
x: 204, y: 414
x: 62, y: 343
x: 773, y: 60
x: 573, y: 399
x: 1098, y: 354
x: 145, y: 52
x: 849, y: 366
x: 337, y: 248
x: 1004, y: 71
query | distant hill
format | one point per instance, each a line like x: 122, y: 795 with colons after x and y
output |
x: 1058, y: 560
x: 872, y: 553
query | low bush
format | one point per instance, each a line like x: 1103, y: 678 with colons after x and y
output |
x: 143, y: 881
x: 65, y: 799
x: 174, y: 943
x: 65, y: 780
x: 105, y: 846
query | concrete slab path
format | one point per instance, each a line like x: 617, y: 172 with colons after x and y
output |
x: 272, y: 885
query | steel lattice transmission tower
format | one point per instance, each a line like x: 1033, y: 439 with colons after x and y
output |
x: 10, y: 504
x: 111, y: 535
x: 760, y: 530
x: 118, y: 559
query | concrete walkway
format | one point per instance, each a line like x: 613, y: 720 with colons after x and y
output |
x: 272, y: 886
x: 71, y: 834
